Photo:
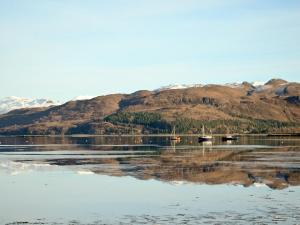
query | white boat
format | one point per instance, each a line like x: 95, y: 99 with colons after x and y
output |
x: 174, y: 137
x: 204, y: 137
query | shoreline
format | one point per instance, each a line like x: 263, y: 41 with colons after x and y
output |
x: 154, y: 135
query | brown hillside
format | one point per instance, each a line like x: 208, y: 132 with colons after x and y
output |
x: 276, y: 100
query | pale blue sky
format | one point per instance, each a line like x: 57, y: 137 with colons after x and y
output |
x: 64, y: 48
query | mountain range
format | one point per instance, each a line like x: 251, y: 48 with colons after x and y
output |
x: 11, y: 103
x: 239, y: 107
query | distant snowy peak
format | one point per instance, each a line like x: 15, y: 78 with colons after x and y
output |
x: 177, y: 86
x: 257, y: 83
x: 183, y: 86
x: 83, y: 97
x: 11, y: 103
x: 234, y: 85
x: 240, y: 85
x: 279, y: 84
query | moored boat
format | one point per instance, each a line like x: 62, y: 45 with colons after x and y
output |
x: 229, y: 138
x: 174, y: 137
x: 204, y: 137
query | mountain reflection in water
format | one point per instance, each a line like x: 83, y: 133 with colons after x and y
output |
x: 248, y: 161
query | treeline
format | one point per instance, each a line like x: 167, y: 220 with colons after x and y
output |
x: 154, y: 123
x: 253, y: 126
x: 150, y: 120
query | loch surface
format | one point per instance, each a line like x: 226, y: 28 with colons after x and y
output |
x: 149, y: 180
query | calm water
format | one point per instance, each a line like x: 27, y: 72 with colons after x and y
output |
x: 149, y: 180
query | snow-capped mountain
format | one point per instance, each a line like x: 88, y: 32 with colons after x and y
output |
x: 234, y: 85
x: 183, y: 86
x: 83, y: 97
x: 257, y: 83
x: 11, y: 103
x: 177, y: 86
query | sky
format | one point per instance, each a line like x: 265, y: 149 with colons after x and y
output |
x: 60, y: 49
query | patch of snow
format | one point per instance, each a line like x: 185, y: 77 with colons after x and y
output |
x: 11, y: 103
x: 234, y: 85
x: 85, y: 172
x: 262, y: 88
x: 177, y: 86
x: 83, y: 97
x: 257, y: 83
